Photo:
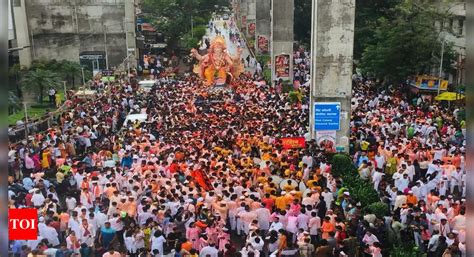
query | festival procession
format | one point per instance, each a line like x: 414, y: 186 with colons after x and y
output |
x: 202, y: 164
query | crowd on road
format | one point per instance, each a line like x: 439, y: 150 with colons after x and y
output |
x: 206, y: 175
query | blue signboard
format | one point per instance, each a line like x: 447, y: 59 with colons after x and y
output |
x: 327, y: 116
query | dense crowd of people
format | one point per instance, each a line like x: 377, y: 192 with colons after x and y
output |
x: 206, y: 174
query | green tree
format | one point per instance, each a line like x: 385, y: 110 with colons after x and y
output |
x: 14, y: 103
x: 70, y: 71
x: 302, y: 21
x: 39, y: 80
x: 14, y: 74
x: 367, y: 18
x: 173, y: 17
x: 408, y: 44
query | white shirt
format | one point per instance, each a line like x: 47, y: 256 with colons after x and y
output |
x: 402, y: 184
x: 71, y: 203
x: 380, y: 161
x: 116, y: 224
x: 263, y: 217
x: 376, y: 178
x: 32, y: 244
x: 51, y: 234
x: 303, y: 221
x: 74, y: 225
x: 209, y: 250
x: 100, y: 219
x: 276, y: 226
x: 37, y: 199
x: 328, y: 197
x: 157, y: 244
x: 314, y: 225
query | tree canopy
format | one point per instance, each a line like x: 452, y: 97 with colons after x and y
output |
x: 407, y: 44
x: 302, y: 22
x: 393, y: 39
x: 173, y: 17
x: 38, y: 80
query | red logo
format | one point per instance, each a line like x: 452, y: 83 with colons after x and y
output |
x: 23, y: 224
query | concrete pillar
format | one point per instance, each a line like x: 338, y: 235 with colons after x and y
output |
x: 282, y: 39
x: 250, y: 28
x: 243, y: 15
x: 129, y: 29
x: 22, y: 34
x: 263, y: 23
x: 332, y: 41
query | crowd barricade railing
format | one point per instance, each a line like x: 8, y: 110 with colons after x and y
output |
x: 17, y: 134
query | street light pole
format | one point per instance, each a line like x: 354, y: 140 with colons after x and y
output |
x: 65, y: 91
x: 26, y: 121
x: 441, y: 65
x: 105, y: 48
x: 83, y: 79
x: 192, y: 26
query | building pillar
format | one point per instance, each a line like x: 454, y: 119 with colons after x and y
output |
x: 332, y: 41
x: 282, y: 39
x: 130, y: 35
x: 251, y: 15
x: 263, y: 23
x: 23, y: 34
x: 243, y: 15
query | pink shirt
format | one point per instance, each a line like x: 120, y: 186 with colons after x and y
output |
x: 375, y: 251
x: 29, y: 163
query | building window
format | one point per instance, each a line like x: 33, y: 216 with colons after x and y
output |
x: 451, y: 22
x: 17, y: 3
x: 461, y: 27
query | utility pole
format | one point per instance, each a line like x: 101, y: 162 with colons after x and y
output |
x: 192, y: 26
x: 105, y: 48
x: 83, y: 79
x: 26, y: 120
x: 441, y: 65
x: 65, y: 91
x: 126, y: 51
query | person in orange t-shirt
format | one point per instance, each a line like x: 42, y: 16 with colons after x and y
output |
x: 327, y: 227
x: 411, y: 198
x: 187, y: 246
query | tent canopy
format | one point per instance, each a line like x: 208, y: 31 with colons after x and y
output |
x: 449, y: 96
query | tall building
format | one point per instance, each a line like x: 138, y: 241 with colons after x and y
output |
x: 98, y: 33
x: 453, y: 31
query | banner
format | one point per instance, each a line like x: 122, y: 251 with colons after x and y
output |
x: 282, y: 65
x: 262, y: 44
x: 326, y: 140
x: 430, y: 83
x: 244, y: 21
x: 251, y: 29
x: 293, y: 142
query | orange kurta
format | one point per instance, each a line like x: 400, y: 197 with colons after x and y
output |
x: 327, y: 227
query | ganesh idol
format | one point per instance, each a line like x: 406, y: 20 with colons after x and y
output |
x: 217, y: 66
